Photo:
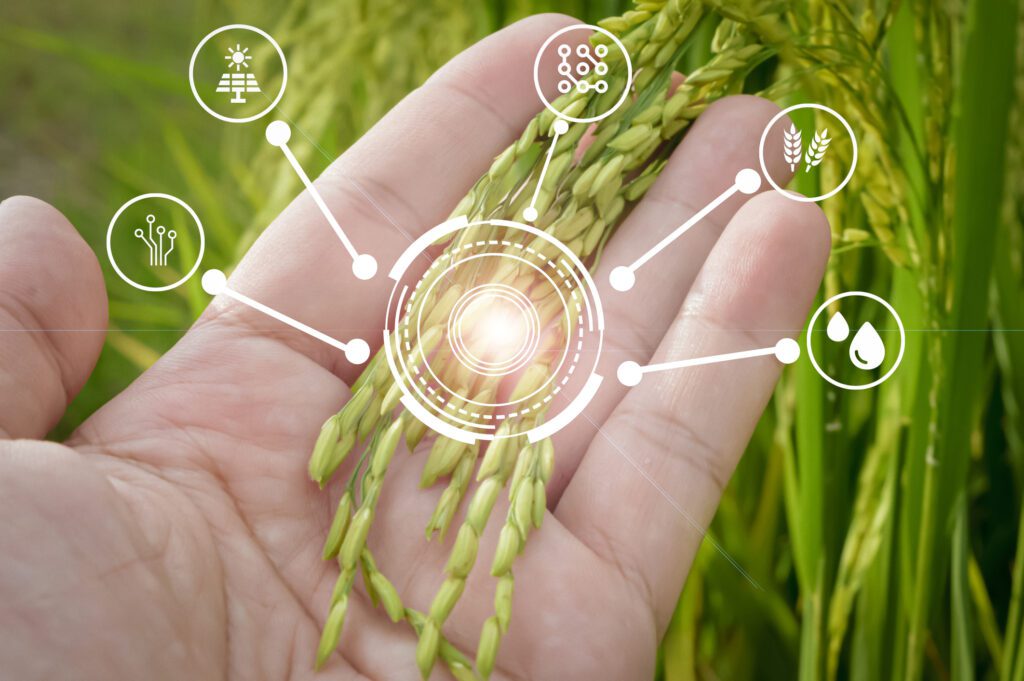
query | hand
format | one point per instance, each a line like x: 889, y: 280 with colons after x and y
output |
x: 176, y: 534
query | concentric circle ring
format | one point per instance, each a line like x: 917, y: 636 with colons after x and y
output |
x: 506, y: 297
x: 528, y: 342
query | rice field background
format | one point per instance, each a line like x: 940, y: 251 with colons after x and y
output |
x: 882, y: 531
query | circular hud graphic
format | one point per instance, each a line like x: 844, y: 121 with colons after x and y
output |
x: 509, y: 339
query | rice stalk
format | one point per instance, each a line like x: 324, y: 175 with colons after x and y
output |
x: 979, y: 131
x: 581, y: 204
x: 1009, y: 354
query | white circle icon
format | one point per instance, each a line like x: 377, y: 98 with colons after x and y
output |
x: 238, y: 80
x: 804, y: 150
x: 149, y: 240
x: 585, y: 74
x: 866, y: 350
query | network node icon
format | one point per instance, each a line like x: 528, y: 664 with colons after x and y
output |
x: 164, y: 225
x: 159, y: 250
x: 584, y: 71
x: 575, y: 77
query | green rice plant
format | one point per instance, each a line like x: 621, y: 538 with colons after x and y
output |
x: 883, y: 533
x: 579, y: 202
x: 889, y: 580
x: 1007, y: 315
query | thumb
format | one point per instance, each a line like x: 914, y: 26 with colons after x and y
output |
x: 53, y: 316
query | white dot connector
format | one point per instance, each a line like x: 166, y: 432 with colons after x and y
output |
x: 748, y: 181
x: 278, y: 133
x: 364, y: 266
x: 622, y: 278
x: 787, y: 351
x: 357, y: 351
x: 214, y: 282
x: 629, y: 374
x: 530, y: 213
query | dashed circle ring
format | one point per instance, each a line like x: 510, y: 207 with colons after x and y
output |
x: 524, y: 329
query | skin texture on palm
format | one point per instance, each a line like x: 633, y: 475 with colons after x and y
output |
x: 176, y: 534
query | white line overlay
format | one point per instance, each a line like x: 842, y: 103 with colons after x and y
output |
x: 786, y: 351
x: 560, y: 128
x: 215, y: 283
x: 364, y: 266
x: 623, y: 277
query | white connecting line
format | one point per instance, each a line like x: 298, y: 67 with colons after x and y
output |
x: 786, y: 351
x: 623, y: 277
x: 560, y: 128
x: 215, y: 283
x: 364, y: 266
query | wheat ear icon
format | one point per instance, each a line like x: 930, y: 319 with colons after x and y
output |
x: 793, y: 147
x: 816, y: 150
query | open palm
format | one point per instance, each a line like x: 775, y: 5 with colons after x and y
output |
x: 176, y: 534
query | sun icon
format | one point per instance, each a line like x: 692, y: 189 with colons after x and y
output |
x: 238, y: 57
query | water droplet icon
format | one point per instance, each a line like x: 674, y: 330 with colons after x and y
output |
x: 838, y: 330
x: 867, y: 349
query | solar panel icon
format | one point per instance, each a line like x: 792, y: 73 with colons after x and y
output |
x: 238, y: 82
